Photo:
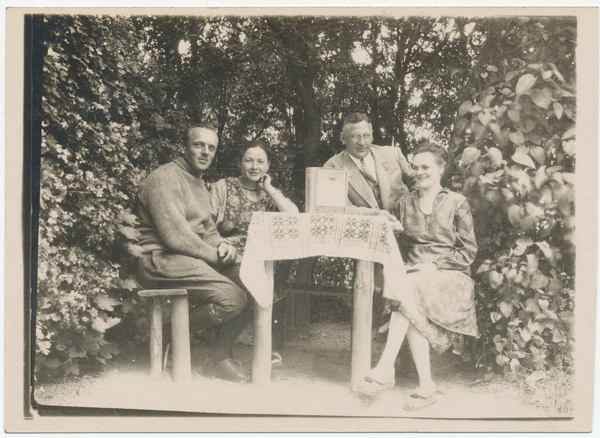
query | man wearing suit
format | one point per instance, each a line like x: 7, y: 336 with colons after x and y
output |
x: 377, y: 175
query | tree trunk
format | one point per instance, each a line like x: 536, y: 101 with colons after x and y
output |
x: 306, y: 118
x: 398, y: 99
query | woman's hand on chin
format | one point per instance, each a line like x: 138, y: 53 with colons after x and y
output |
x: 264, y: 183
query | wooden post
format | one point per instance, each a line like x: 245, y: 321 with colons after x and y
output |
x: 261, y: 365
x: 361, y: 323
x: 156, y: 339
x: 290, y: 313
x: 302, y: 301
x: 279, y: 323
x: 302, y: 313
x: 182, y: 365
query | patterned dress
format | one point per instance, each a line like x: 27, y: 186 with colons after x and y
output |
x: 439, y: 303
x: 232, y: 211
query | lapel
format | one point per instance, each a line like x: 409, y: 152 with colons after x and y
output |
x: 383, y: 178
x: 357, y: 181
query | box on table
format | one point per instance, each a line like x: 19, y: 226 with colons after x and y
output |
x: 326, y: 190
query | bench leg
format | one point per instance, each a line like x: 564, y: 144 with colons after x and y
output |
x: 156, y: 339
x: 180, y: 324
x: 362, y: 316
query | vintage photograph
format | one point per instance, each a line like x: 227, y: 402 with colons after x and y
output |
x: 360, y: 214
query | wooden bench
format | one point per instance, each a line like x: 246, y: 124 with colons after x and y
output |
x: 180, y: 333
x: 295, y: 313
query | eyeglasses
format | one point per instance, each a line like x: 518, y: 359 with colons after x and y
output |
x: 365, y: 137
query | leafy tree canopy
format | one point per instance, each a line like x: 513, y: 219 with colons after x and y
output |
x: 118, y: 92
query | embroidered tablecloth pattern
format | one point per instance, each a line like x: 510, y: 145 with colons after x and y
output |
x: 285, y: 236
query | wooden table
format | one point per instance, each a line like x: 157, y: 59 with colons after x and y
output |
x: 285, y: 236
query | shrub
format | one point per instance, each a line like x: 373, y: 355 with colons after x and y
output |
x: 88, y: 176
x: 514, y: 143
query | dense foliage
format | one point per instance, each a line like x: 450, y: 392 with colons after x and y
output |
x: 88, y: 177
x: 118, y: 91
x: 515, y: 142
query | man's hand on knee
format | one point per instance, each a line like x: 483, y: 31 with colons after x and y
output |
x: 226, y: 253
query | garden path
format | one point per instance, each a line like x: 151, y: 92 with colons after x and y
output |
x: 314, y: 380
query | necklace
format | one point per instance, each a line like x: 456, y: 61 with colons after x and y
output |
x: 246, y: 188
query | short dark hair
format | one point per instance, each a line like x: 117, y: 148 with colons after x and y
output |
x: 356, y: 118
x: 255, y: 144
x: 186, y: 133
x: 439, y: 152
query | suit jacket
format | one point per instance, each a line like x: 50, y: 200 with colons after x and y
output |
x: 394, y: 176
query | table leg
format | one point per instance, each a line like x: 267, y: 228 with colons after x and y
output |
x: 180, y: 329
x: 261, y: 365
x: 361, y: 322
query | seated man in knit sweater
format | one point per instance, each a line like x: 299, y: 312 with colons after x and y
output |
x: 182, y: 249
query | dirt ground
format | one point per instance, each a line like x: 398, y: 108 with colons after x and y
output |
x: 313, y: 380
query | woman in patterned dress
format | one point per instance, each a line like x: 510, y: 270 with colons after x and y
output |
x: 438, y: 245
x: 234, y: 199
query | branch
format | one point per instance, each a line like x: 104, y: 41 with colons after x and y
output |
x: 414, y: 47
x: 436, y: 51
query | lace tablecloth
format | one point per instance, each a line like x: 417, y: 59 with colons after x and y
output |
x: 285, y: 236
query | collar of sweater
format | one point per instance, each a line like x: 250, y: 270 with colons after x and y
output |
x: 185, y: 166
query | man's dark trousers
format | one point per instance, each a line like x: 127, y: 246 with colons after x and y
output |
x: 223, y: 296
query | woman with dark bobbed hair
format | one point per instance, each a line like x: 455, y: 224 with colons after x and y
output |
x: 437, y: 306
x: 234, y: 199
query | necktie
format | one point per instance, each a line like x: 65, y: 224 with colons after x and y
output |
x: 365, y: 171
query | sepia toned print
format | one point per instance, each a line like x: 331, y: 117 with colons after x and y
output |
x: 501, y: 94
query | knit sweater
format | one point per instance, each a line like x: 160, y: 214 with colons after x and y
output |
x: 173, y: 207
